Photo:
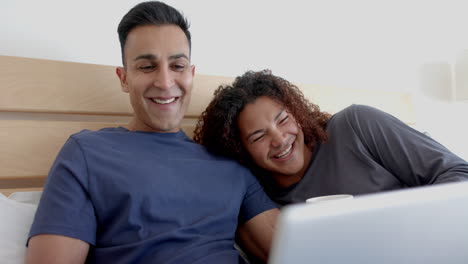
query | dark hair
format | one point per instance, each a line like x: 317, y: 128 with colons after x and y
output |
x: 151, y: 13
x: 217, y: 126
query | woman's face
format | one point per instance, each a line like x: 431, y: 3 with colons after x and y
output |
x: 274, y: 140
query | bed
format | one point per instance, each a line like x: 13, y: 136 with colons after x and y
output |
x: 42, y: 102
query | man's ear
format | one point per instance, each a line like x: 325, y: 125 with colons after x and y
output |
x: 122, y: 74
x: 193, y: 70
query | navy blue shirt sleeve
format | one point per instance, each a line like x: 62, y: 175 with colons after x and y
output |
x: 65, y: 208
x: 255, y: 200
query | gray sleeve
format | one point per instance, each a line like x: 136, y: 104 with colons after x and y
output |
x: 414, y: 158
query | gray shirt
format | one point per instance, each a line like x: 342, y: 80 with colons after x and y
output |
x: 371, y: 151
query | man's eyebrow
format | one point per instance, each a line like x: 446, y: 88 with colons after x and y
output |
x: 154, y: 57
x: 146, y: 57
x: 261, y: 130
x: 178, y: 56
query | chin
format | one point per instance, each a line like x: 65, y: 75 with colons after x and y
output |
x: 290, y: 172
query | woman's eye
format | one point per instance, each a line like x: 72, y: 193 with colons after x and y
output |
x: 257, y: 139
x: 284, y: 119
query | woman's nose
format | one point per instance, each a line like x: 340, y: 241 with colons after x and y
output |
x: 277, y: 138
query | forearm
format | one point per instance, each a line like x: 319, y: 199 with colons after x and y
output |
x: 256, y: 235
x: 456, y: 173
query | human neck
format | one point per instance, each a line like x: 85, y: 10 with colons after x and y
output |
x: 136, y: 125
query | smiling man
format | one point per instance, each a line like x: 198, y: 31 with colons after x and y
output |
x: 158, y: 76
x: 148, y: 193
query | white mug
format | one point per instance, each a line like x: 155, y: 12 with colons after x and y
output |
x: 327, y: 198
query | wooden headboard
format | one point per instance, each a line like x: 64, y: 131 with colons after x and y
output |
x: 43, y: 102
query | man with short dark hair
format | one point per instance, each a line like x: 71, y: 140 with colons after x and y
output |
x: 147, y: 193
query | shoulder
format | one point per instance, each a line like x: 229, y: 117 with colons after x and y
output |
x: 358, y: 112
x: 363, y: 121
x: 222, y: 161
x: 85, y: 135
x: 191, y: 150
x: 228, y: 166
x: 90, y: 133
x: 355, y: 115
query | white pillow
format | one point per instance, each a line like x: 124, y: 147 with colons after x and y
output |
x: 26, y: 197
x: 17, y: 213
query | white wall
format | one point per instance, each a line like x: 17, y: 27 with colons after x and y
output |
x: 361, y: 43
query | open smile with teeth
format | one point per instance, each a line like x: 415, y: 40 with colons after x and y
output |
x: 160, y: 101
x: 284, y: 153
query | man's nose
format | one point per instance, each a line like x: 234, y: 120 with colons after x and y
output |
x: 164, y: 79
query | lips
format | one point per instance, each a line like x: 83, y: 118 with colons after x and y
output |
x: 163, y: 101
x: 284, y: 153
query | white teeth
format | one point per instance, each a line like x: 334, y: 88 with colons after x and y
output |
x: 284, y: 153
x: 158, y: 101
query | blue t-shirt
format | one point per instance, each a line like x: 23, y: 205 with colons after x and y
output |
x: 141, y: 197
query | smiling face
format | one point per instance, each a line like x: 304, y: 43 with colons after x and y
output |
x: 158, y: 77
x: 274, y: 140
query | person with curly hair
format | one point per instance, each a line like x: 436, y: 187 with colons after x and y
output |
x: 299, y: 152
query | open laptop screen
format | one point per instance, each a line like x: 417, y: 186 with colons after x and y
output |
x: 421, y: 225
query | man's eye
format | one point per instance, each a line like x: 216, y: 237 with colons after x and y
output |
x: 178, y: 67
x: 146, y: 67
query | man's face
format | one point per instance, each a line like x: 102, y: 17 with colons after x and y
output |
x: 158, y: 77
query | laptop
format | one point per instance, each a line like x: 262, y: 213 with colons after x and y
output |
x: 420, y: 225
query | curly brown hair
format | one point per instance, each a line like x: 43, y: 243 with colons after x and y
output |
x: 217, y: 126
